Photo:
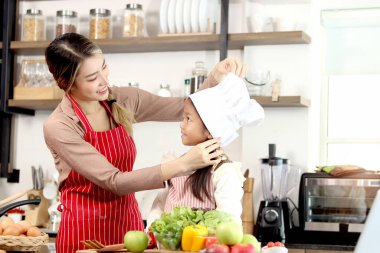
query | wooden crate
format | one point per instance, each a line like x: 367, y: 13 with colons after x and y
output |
x: 21, y: 92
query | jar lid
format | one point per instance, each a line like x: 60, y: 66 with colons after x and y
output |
x: 134, y: 6
x: 100, y: 11
x: 66, y: 13
x: 33, y: 12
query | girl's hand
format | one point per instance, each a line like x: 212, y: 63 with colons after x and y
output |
x: 230, y: 64
x: 204, y: 154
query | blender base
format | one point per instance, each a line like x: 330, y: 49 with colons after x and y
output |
x: 272, y: 221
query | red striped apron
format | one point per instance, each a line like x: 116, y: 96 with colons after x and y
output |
x: 180, y: 195
x: 88, y: 211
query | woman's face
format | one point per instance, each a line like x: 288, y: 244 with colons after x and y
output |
x: 91, y: 82
x: 193, y: 131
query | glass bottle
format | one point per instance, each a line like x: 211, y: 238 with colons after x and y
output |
x: 100, y: 24
x: 133, y: 21
x: 199, y: 74
x: 66, y: 22
x: 186, y: 88
x: 33, y: 25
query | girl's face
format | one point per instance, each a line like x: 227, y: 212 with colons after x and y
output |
x: 193, y: 131
x: 91, y: 82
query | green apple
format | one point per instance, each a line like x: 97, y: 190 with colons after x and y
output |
x: 248, y: 238
x: 135, y: 241
x: 229, y: 233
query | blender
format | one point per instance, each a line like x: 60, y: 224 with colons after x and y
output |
x: 273, y: 216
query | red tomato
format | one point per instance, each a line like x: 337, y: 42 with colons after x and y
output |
x: 210, y: 241
x: 278, y: 244
x: 270, y: 244
x: 243, y: 248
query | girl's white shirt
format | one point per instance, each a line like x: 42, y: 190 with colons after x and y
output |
x: 228, y: 182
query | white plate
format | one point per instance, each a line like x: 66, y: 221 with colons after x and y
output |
x: 179, y: 16
x: 164, y: 16
x: 171, y: 16
x: 194, y: 16
x: 187, y: 16
x: 207, y: 10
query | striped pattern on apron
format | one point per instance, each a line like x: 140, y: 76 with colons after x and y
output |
x: 88, y: 211
x: 180, y: 195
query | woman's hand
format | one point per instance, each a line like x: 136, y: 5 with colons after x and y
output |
x: 228, y: 65
x: 202, y: 155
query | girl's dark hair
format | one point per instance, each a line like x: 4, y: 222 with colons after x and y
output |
x: 199, y: 181
x: 64, y: 56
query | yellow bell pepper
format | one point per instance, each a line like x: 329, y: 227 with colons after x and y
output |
x: 192, y: 238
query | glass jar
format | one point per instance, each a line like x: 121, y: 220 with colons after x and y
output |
x: 33, y: 25
x: 198, y: 75
x: 66, y: 22
x: 133, y: 21
x: 164, y: 90
x: 100, y: 24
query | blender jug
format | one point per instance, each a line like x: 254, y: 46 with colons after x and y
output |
x: 274, y: 176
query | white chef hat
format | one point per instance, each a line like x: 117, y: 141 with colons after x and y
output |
x: 226, y: 108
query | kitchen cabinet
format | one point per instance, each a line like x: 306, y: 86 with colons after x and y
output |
x: 11, y: 48
x: 170, y: 43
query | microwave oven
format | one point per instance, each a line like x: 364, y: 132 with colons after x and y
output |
x: 336, y: 207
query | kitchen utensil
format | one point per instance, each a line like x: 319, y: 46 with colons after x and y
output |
x: 10, y: 206
x: 34, y: 180
x: 38, y: 216
x: 13, y: 197
x: 6, y: 208
x: 40, y: 178
x: 50, y: 190
x: 95, y: 244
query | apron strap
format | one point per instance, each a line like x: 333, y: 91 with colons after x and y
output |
x: 78, y: 111
x: 109, y: 111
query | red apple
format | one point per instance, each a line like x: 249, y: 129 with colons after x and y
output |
x: 243, y: 248
x: 217, y: 248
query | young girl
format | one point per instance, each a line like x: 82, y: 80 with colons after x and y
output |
x: 214, y: 112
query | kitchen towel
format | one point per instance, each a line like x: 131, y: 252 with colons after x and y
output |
x: 226, y: 108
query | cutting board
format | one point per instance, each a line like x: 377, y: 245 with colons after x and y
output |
x: 247, y: 214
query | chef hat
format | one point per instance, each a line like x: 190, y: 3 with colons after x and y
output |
x: 226, y: 108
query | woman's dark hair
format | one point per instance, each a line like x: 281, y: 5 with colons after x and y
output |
x: 64, y: 57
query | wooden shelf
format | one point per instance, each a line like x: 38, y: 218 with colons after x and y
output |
x: 283, y: 101
x: 47, y: 104
x: 239, y: 40
x: 173, y: 43
x: 286, y: 101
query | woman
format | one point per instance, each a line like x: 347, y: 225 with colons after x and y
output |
x: 90, y: 137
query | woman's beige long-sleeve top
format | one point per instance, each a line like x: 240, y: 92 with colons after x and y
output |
x: 64, y: 136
